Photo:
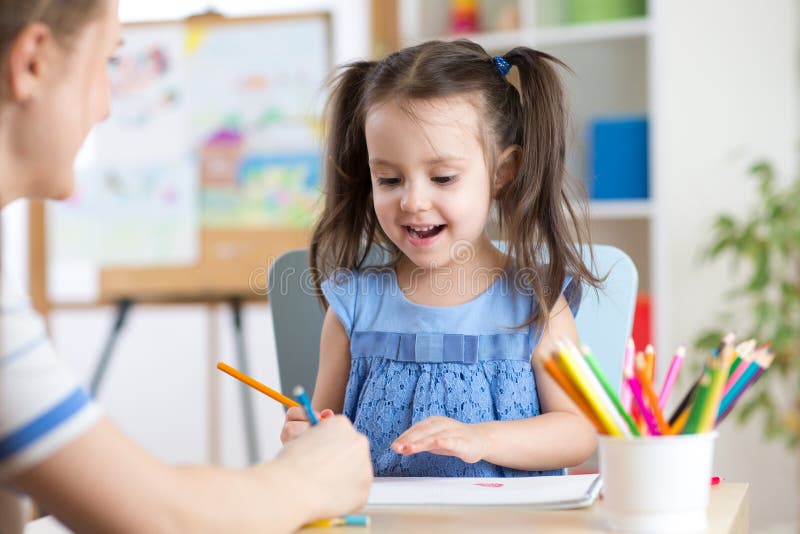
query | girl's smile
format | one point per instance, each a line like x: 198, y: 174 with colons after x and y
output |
x: 423, y: 235
x: 431, y: 188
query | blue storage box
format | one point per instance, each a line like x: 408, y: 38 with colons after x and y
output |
x: 618, y: 160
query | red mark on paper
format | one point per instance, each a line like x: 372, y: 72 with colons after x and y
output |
x: 489, y: 484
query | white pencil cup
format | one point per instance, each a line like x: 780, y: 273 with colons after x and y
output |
x: 657, y: 484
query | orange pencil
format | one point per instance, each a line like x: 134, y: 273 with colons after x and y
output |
x: 650, y: 359
x: 642, y: 372
x: 555, y: 371
x: 255, y: 384
x: 680, y: 422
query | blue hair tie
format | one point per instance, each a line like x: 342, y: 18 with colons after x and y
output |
x: 502, y: 65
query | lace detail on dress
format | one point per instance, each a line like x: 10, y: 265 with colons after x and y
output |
x: 385, y: 397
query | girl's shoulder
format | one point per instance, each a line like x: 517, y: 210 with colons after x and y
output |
x: 356, y: 293
x: 365, y: 279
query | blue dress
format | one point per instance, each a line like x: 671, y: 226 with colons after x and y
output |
x: 411, y: 362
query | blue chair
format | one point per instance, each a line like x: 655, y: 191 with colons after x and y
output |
x: 604, y: 320
x: 605, y: 317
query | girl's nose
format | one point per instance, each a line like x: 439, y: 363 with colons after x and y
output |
x: 414, y: 199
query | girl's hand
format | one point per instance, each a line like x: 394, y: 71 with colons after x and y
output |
x: 445, y: 436
x: 296, y: 422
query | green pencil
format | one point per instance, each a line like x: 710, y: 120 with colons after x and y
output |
x: 601, y: 377
x: 700, y: 401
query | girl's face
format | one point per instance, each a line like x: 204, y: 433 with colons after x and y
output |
x: 73, y: 97
x: 431, y: 185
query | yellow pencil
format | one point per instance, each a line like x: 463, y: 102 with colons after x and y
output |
x: 558, y: 375
x: 255, y: 384
x: 564, y: 360
x: 719, y: 375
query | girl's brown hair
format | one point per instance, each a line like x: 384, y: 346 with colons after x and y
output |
x: 543, y: 233
x: 64, y: 18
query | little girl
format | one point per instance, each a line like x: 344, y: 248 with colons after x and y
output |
x: 435, y: 354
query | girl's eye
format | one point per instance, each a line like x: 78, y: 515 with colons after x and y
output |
x: 388, y: 181
x: 113, y: 61
x: 442, y: 180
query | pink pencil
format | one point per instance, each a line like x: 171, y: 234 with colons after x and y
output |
x: 672, y: 375
x: 636, y: 390
x: 627, y: 370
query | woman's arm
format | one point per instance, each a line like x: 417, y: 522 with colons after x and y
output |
x: 560, y: 437
x: 103, y: 482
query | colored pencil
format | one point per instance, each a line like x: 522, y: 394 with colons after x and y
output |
x: 743, y: 352
x: 761, y: 361
x: 558, y: 375
x: 696, y: 409
x: 636, y: 392
x: 719, y: 375
x: 680, y: 422
x: 637, y: 415
x: 570, y: 368
x: 649, y: 395
x: 255, y: 384
x: 601, y: 377
x: 627, y: 366
x: 698, y: 417
x: 686, y: 401
x: 743, y: 359
x: 300, y: 394
x: 672, y: 375
x: 594, y: 383
x: 650, y: 358
x: 344, y: 521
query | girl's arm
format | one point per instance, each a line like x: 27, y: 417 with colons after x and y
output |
x: 560, y: 437
x: 103, y: 482
x: 334, y: 364
x: 334, y: 368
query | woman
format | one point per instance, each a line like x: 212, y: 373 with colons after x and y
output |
x: 55, y: 445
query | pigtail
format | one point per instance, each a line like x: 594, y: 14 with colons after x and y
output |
x: 345, y: 229
x: 545, y: 235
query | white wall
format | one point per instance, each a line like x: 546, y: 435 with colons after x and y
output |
x: 156, y: 385
x: 726, y: 92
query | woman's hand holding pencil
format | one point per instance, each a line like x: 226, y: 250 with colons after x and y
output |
x: 332, y: 461
x: 328, y: 468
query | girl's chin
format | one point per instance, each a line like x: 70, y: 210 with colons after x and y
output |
x: 54, y: 189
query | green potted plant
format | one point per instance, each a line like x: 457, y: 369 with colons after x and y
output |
x: 764, y: 247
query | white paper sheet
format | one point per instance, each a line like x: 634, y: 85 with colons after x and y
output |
x: 548, y: 492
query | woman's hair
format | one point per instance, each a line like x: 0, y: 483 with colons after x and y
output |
x: 64, y: 18
x: 543, y: 234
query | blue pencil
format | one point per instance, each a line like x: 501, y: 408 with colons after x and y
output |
x: 302, y: 398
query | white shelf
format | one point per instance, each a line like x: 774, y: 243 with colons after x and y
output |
x: 620, y: 209
x: 552, y: 36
